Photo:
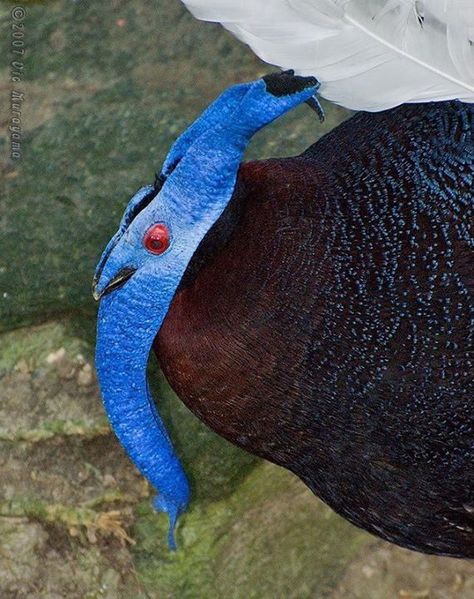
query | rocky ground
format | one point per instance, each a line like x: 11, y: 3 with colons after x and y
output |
x: 107, y: 88
x: 75, y: 517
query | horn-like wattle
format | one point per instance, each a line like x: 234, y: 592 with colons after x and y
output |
x: 127, y: 326
x: 192, y: 198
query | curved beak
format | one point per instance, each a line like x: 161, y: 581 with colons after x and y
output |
x: 115, y: 282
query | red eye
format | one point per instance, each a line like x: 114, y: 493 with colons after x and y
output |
x: 157, y: 239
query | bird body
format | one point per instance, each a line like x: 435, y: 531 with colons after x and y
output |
x: 315, y: 310
x: 144, y: 262
x: 325, y: 322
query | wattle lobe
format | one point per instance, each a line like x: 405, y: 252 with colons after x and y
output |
x: 126, y: 328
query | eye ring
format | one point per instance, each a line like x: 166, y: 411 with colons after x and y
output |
x: 157, y: 239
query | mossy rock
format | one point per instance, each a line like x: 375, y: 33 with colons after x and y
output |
x: 71, y: 501
x: 251, y: 526
x: 270, y: 538
x: 108, y: 87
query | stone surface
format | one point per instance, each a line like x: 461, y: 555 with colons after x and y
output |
x: 108, y: 87
x: 70, y: 499
x: 388, y: 571
x: 76, y: 521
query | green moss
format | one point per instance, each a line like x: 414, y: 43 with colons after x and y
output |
x: 58, y: 428
x: 75, y: 519
x: 272, y: 538
x: 33, y: 345
x: 103, y: 103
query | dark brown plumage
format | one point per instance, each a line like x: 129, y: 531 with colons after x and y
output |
x: 325, y: 322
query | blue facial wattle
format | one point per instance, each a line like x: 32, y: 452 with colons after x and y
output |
x: 136, y: 286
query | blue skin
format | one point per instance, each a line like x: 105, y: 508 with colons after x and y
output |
x: 199, y: 177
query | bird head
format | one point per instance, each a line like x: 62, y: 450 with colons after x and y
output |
x: 142, y: 266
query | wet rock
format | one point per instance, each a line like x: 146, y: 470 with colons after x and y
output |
x: 85, y: 377
x: 46, y: 393
x: 31, y: 569
x: 63, y: 531
x: 108, y: 87
x: 22, y: 544
x: 65, y: 476
x: 388, y: 571
x: 56, y: 356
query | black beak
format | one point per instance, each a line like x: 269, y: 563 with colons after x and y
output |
x: 286, y: 82
x: 315, y: 105
x: 115, y: 283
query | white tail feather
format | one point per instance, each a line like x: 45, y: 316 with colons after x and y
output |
x: 367, y: 54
